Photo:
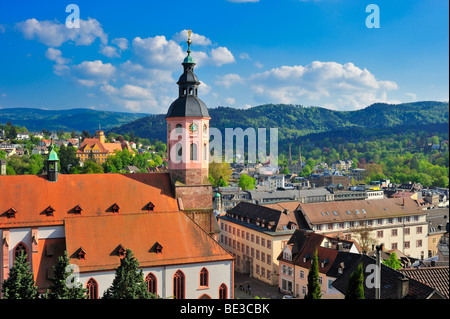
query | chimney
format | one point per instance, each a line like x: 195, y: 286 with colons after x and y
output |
x: 402, y: 287
x: 286, y: 212
x: 403, y: 201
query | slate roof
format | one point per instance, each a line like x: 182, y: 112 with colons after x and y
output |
x: 188, y: 106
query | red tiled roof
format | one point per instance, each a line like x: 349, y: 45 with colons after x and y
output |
x: 30, y: 195
x: 181, y: 239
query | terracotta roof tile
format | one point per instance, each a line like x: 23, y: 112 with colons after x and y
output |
x: 30, y: 195
x: 182, y: 240
x: 435, y: 277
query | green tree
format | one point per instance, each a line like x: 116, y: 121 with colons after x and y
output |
x: 246, y: 182
x: 67, y: 158
x: 393, y: 261
x: 20, y: 283
x: 91, y: 167
x: 64, y: 284
x: 219, y: 173
x: 355, y: 287
x: 129, y: 281
x: 314, y: 291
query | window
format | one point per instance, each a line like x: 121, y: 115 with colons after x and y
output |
x: 151, y: 283
x: 269, y: 244
x: 179, y: 152
x: 419, y: 230
x: 92, y: 289
x: 223, y: 292
x: 263, y: 242
x: 20, y: 247
x: 178, y: 128
x: 419, y: 243
x: 407, y: 231
x: 394, y: 232
x: 302, y: 274
x: 380, y: 234
x: 407, y: 244
x: 394, y: 246
x: 178, y: 285
x: 204, y: 277
x: 193, y: 152
x: 269, y: 259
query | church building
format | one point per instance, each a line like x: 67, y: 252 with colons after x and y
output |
x: 165, y: 219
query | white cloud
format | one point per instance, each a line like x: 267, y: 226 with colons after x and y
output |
x: 122, y: 43
x: 56, y: 55
x: 321, y: 83
x: 228, y: 80
x: 54, y: 33
x: 412, y: 96
x: 221, y: 56
x: 230, y: 101
x: 157, y: 52
x: 91, y: 73
x: 109, y: 51
x: 244, y: 56
x: 196, y: 39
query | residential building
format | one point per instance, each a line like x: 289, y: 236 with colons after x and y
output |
x: 397, y: 223
x: 271, y: 181
x: 255, y: 235
x: 295, y: 261
x: 437, y: 221
x: 2, y: 166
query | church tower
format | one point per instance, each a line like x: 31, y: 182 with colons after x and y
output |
x: 188, y: 147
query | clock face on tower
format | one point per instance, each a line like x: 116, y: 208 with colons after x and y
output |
x: 193, y: 127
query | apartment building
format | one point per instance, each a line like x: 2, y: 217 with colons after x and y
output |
x: 398, y: 223
x: 255, y: 235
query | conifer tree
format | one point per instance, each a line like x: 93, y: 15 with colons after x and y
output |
x: 64, y: 282
x: 20, y: 283
x: 314, y: 291
x: 129, y: 281
x: 355, y: 287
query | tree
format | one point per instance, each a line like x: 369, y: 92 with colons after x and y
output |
x: 364, y: 237
x: 64, y: 283
x: 393, y: 261
x: 218, y: 171
x: 314, y: 291
x: 246, y: 182
x: 20, y: 283
x: 67, y: 158
x: 91, y: 167
x: 129, y: 281
x: 355, y: 287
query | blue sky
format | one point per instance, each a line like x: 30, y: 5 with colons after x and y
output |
x: 126, y: 55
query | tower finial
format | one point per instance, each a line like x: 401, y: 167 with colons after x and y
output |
x: 189, y: 40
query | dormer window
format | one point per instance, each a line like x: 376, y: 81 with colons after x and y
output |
x: 49, y: 211
x: 150, y: 207
x: 81, y: 254
x: 78, y: 210
x: 115, y: 208
x: 11, y: 212
x: 121, y: 251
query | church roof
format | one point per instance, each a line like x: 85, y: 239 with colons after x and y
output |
x: 180, y: 240
x: 95, y: 194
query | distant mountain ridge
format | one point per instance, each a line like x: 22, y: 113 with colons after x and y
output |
x: 295, y: 121
x: 73, y: 119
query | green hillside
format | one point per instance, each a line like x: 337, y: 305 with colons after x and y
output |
x: 74, y: 119
x: 294, y: 121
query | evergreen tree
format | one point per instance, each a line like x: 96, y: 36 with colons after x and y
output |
x: 314, y: 291
x: 64, y: 283
x: 129, y: 281
x: 20, y: 283
x: 355, y: 287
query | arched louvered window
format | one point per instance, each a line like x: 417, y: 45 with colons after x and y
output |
x: 204, y: 277
x: 223, y: 291
x: 150, y: 279
x: 92, y: 289
x: 178, y: 285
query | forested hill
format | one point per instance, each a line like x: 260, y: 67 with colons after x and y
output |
x: 295, y: 121
x: 35, y: 120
